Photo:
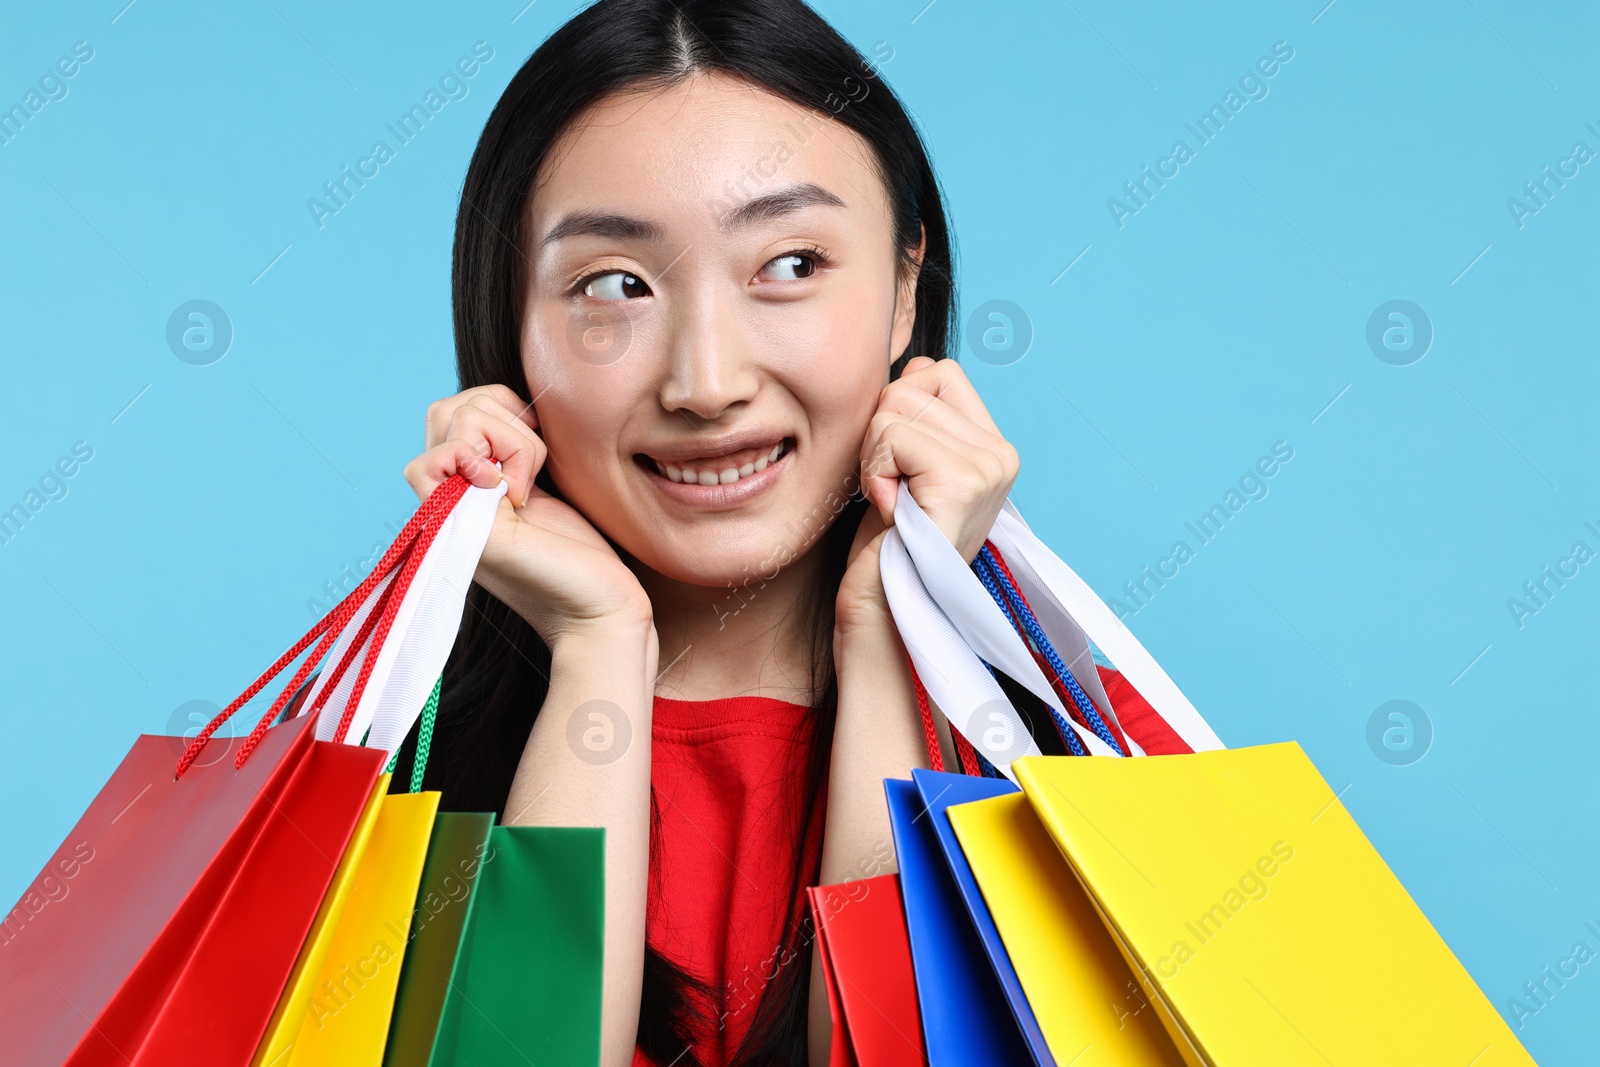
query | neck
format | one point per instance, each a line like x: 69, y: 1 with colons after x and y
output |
x: 750, y: 637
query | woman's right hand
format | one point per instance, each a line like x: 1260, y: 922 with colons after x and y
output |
x: 543, y: 559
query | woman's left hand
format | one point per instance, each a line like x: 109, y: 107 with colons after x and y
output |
x: 932, y: 428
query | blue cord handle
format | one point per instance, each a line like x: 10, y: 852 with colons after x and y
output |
x: 1069, y: 736
x: 1003, y: 590
x: 985, y: 768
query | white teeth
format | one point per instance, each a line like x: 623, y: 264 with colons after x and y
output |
x: 725, y: 476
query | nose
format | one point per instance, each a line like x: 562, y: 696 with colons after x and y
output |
x: 711, y: 366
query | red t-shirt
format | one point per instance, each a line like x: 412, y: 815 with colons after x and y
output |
x: 727, y: 776
x: 728, y: 781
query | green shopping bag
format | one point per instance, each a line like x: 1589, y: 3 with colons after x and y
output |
x: 504, y: 957
x: 504, y: 964
x: 450, y: 874
x: 527, y: 979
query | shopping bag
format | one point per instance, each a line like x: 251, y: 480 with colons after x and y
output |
x: 525, y: 985
x: 1264, y: 926
x: 163, y: 887
x: 504, y: 966
x: 965, y: 1017
x: 275, y: 1047
x: 840, y: 1052
x: 433, y: 933
x: 176, y: 874
x: 862, y: 933
x: 955, y: 637
x: 563, y: 922
x: 336, y: 1008
x: 960, y: 625
x: 938, y: 792
x: 1078, y: 985
x: 338, y: 1004
x: 525, y: 975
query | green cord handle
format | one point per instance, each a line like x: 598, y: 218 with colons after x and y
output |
x: 430, y: 712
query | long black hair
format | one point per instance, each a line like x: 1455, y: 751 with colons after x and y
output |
x: 498, y: 673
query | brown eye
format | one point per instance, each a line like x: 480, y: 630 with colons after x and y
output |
x: 615, y: 285
x: 793, y: 266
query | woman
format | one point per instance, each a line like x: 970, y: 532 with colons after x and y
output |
x: 703, y: 300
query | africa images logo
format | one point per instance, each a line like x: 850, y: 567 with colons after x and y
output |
x: 452, y: 86
x: 1251, y: 486
x: 1204, y: 129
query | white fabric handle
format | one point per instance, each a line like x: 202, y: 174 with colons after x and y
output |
x: 956, y: 682
x: 947, y: 621
x: 1068, y: 609
x: 420, y: 638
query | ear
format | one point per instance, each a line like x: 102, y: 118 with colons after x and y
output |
x: 905, y: 312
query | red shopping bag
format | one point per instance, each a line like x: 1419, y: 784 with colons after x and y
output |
x: 164, y: 928
x: 188, y: 906
x: 866, y: 965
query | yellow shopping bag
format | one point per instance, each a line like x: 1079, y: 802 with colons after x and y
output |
x: 335, y: 1009
x: 1077, y: 983
x: 272, y: 1052
x: 1265, y: 927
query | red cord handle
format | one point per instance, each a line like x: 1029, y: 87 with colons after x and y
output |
x: 403, y: 556
x: 929, y: 732
x: 966, y: 755
x: 391, y: 608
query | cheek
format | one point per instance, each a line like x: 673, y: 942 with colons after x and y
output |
x: 564, y: 345
x: 835, y: 363
x: 581, y: 403
x: 581, y: 446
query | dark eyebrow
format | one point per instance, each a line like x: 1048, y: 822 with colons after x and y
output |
x: 631, y: 228
x: 602, y: 224
x: 775, y: 205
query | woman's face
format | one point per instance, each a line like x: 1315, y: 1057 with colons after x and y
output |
x: 713, y: 307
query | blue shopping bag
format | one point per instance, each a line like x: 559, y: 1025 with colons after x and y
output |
x: 973, y: 1007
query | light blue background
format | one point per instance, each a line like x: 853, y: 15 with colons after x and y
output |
x: 1228, y: 314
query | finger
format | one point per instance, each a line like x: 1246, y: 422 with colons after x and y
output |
x: 519, y: 409
x: 945, y: 379
x: 941, y: 416
x: 475, y: 439
x: 993, y: 455
x: 492, y: 434
x: 523, y: 466
x: 902, y: 447
x: 427, y: 471
x: 959, y: 489
x: 437, y: 421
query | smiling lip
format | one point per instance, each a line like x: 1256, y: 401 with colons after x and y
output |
x: 719, y: 496
x: 707, y: 448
